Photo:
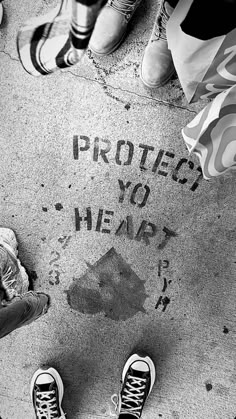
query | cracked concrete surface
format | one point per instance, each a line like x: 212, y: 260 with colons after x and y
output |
x: 98, y: 185
x: 106, y: 85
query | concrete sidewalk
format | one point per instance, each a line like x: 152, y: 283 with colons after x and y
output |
x: 115, y: 221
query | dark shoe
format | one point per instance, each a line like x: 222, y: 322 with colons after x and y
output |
x: 47, y: 391
x: 138, y: 378
x: 111, y: 26
x: 157, y: 65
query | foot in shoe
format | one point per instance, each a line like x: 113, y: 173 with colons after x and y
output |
x: 47, y: 391
x: 157, y: 65
x: 138, y: 378
x: 111, y: 25
x: 14, y: 279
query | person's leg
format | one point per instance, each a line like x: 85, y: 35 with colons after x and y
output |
x: 157, y: 65
x: 13, y: 277
x: 46, y: 391
x: 18, y: 306
x: 111, y: 26
x: 138, y: 378
x: 22, y: 311
x: 58, y: 39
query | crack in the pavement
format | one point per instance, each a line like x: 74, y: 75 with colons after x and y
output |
x: 12, y: 58
x: 106, y: 85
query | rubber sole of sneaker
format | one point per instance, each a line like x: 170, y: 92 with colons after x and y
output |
x: 157, y: 85
x: 57, y: 378
x: 144, y: 358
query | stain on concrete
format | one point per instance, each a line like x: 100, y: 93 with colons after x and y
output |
x: 225, y: 330
x: 54, y: 273
x: 165, y: 303
x: 162, y: 301
x: 102, y: 74
x: 64, y: 240
x: 44, y: 209
x: 127, y: 106
x: 165, y: 285
x: 54, y: 277
x: 208, y: 385
x: 56, y: 258
x: 168, y: 234
x: 58, y: 206
x: 120, y: 294
x: 57, y: 276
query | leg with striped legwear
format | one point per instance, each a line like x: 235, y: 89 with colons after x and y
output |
x: 59, y: 39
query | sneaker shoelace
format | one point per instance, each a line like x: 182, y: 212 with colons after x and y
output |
x: 125, y: 7
x: 46, y: 407
x: 160, y: 24
x: 132, y: 398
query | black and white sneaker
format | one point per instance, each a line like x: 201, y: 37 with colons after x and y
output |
x: 47, y: 390
x: 138, y: 378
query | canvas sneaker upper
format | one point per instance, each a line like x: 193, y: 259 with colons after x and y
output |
x: 138, y: 378
x: 47, y: 393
